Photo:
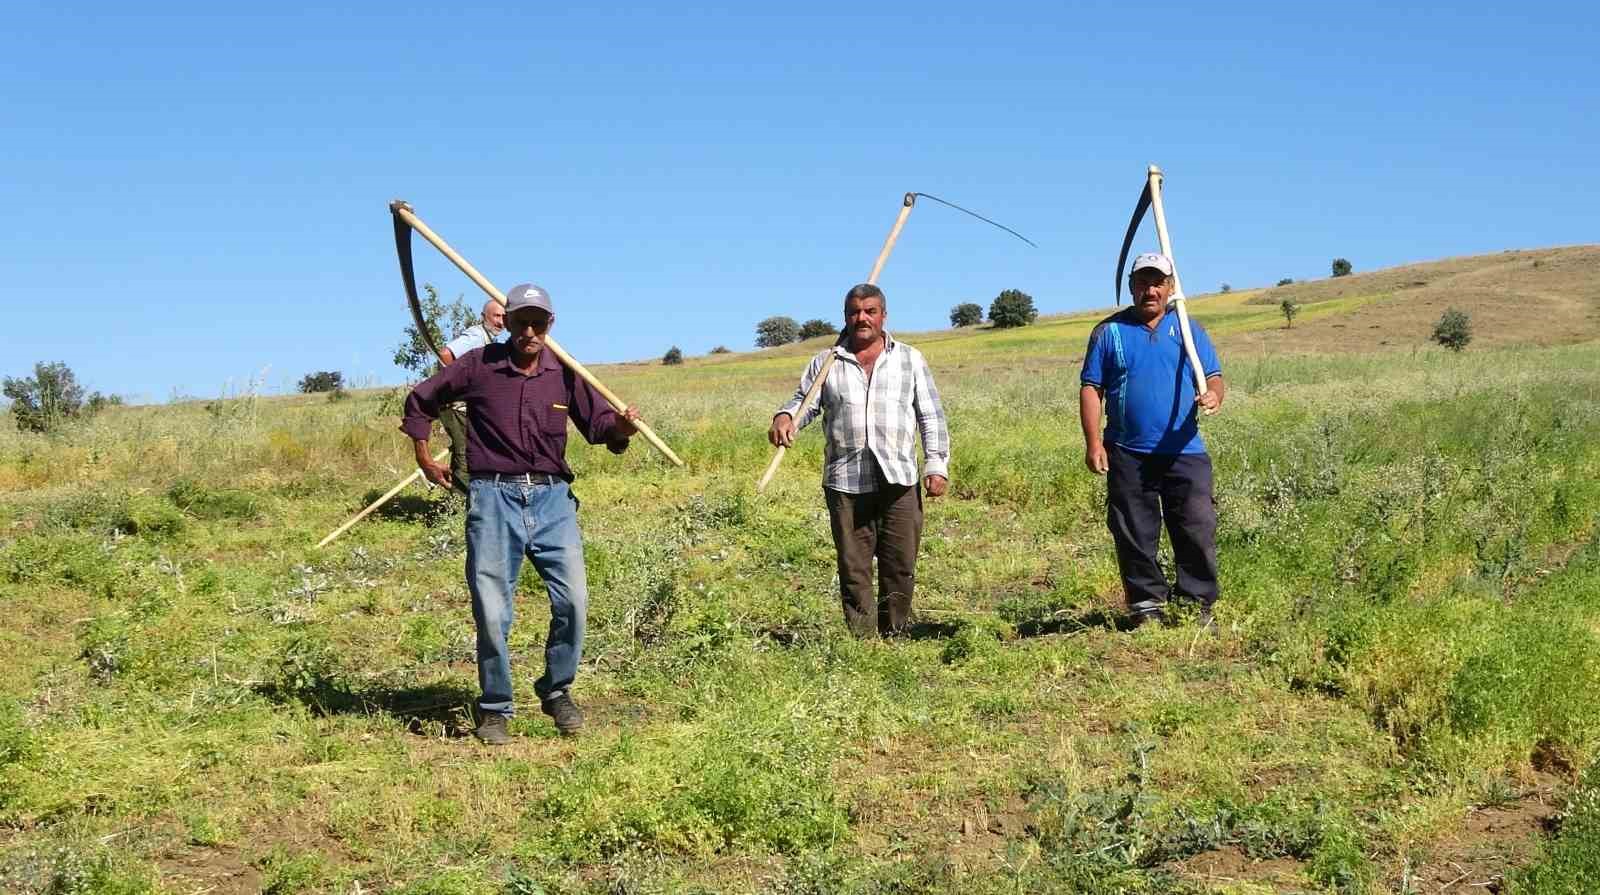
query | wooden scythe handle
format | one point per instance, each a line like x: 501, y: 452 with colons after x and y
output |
x: 389, y: 495
x: 1156, y: 179
x: 827, y: 363
x: 566, y: 359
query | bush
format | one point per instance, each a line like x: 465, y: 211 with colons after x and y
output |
x: 966, y: 314
x: 722, y: 349
x: 1226, y: 287
x: 1289, y: 309
x: 1012, y: 307
x: 813, y: 328
x: 673, y: 356
x: 1454, y: 330
x: 323, y: 381
x: 775, y: 331
x: 45, y: 400
x: 1286, y: 281
x: 1341, y: 267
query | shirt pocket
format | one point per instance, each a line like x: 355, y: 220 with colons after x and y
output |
x: 553, y: 421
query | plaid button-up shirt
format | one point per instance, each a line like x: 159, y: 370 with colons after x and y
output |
x: 876, y: 419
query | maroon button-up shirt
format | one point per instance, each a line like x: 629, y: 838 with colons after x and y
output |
x: 516, y: 423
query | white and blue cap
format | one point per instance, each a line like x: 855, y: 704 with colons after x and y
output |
x: 1154, y: 260
x: 527, y: 295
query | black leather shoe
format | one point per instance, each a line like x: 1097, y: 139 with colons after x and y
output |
x: 491, y: 729
x: 564, y: 712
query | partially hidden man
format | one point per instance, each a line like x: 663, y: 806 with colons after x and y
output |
x: 454, y: 416
x: 1137, y: 375
x: 519, y: 398
x: 878, y: 398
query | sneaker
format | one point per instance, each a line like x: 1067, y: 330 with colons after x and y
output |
x: 491, y: 729
x: 564, y: 712
x: 1206, y: 621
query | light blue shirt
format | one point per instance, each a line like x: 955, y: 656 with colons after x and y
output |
x: 471, y: 338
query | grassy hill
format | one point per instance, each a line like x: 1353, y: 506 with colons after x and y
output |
x: 1401, y: 697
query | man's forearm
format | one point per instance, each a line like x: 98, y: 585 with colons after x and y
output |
x: 1089, y: 408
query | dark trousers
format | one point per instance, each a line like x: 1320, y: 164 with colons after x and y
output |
x: 886, y: 524
x: 455, y: 426
x: 1142, y: 491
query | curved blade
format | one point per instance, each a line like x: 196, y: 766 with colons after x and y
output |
x: 1133, y: 228
x: 978, y: 216
x: 402, y: 248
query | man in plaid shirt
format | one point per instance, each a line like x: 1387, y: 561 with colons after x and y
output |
x: 879, y: 395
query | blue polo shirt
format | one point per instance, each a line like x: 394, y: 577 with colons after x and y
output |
x: 1149, y: 388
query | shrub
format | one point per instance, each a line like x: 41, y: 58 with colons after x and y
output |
x: 1226, y: 287
x: 45, y: 400
x: 722, y: 349
x: 673, y: 356
x: 1341, y: 267
x: 1289, y: 309
x: 775, y: 331
x: 1012, y: 307
x: 1286, y: 281
x: 323, y: 381
x: 966, y: 314
x: 1454, y: 330
x: 814, y: 328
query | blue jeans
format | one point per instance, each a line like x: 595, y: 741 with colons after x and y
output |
x: 506, y: 521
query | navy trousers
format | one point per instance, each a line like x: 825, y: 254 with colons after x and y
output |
x: 1144, y: 490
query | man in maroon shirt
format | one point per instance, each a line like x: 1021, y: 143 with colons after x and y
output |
x: 519, y: 398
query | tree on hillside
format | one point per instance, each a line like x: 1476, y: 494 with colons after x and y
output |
x: 966, y: 314
x: 1012, y: 307
x: 1341, y: 267
x: 323, y: 381
x: 1227, y: 287
x: 50, y: 397
x: 817, y: 327
x: 673, y: 356
x: 412, y: 353
x: 1289, y: 309
x: 1286, y: 281
x: 722, y: 349
x: 1454, y: 330
x: 775, y: 331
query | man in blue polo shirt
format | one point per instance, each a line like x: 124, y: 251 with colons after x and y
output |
x: 1137, y: 376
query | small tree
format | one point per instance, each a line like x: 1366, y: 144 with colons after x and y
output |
x: 775, y: 331
x: 1341, y: 267
x: 324, y: 381
x: 966, y: 314
x: 1227, y: 287
x: 45, y: 400
x: 722, y: 349
x: 1012, y: 307
x: 1454, y: 330
x: 1289, y: 309
x: 817, y: 327
x: 413, y: 353
x: 673, y: 356
x: 1286, y: 281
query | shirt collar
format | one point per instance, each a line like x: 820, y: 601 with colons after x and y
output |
x: 843, y: 351
x: 547, y: 359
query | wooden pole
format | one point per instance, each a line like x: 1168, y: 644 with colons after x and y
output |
x: 1156, y: 179
x: 415, y: 474
x: 410, y: 217
x: 827, y: 363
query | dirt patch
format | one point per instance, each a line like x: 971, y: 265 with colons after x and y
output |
x: 1490, y: 842
x: 1231, y: 865
x: 212, y: 870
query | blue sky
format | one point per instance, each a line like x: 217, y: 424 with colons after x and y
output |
x: 193, y: 199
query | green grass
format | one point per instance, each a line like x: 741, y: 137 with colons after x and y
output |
x: 193, y: 697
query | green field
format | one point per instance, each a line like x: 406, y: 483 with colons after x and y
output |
x: 1404, y: 694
